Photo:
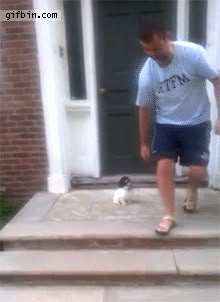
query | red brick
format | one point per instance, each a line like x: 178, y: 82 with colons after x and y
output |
x: 27, y: 135
x: 29, y: 49
x: 23, y: 139
x: 7, y: 179
x: 14, y: 44
x: 9, y: 148
x: 25, y: 111
x: 16, y: 4
x: 17, y: 117
x: 31, y: 90
x: 7, y: 167
x: 3, y: 118
x: 22, y: 84
x: 14, y: 91
x: 8, y: 125
x: 19, y: 173
x: 12, y: 30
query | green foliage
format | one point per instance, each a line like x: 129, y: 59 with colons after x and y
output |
x: 8, y: 209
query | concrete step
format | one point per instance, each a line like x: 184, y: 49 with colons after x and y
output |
x: 193, y: 292
x: 102, y: 235
x: 138, y: 180
x: 109, y: 266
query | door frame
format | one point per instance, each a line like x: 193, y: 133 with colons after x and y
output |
x: 182, y: 32
x: 62, y: 164
x: 100, y: 115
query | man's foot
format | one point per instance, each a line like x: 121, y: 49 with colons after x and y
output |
x: 165, y: 226
x: 190, y: 204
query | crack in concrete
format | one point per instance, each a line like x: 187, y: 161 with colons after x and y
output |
x: 174, y: 259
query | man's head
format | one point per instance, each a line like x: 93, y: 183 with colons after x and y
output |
x: 157, y: 45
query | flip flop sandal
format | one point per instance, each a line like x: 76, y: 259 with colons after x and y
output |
x: 190, y: 206
x: 161, y: 229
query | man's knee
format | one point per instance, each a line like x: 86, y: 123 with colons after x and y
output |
x: 197, y: 172
x: 165, y: 164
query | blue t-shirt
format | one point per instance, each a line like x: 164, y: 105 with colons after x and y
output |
x: 178, y: 91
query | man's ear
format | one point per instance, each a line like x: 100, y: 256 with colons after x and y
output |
x: 168, y: 35
x: 164, y: 36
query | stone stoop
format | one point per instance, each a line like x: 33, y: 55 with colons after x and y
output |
x: 39, y: 251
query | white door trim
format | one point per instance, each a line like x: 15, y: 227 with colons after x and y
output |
x: 50, y: 37
x: 213, y: 48
x: 182, y: 19
x: 71, y: 126
x: 91, y: 78
x: 182, y: 34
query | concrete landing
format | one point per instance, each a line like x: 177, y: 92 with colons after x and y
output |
x: 89, y: 219
x: 89, y: 214
x: 96, y: 205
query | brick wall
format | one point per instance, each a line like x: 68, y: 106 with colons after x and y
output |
x: 23, y: 157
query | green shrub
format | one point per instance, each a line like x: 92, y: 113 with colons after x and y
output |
x: 8, y: 209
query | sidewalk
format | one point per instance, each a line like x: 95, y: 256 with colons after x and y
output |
x: 181, y: 293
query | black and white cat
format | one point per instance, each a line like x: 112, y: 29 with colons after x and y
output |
x: 123, y: 194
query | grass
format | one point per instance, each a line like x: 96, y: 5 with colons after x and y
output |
x: 8, y: 209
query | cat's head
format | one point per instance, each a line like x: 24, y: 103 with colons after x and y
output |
x: 124, y: 182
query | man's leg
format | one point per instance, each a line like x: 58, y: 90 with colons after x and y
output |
x: 165, y: 181
x: 196, y: 176
x: 165, y: 152
x: 195, y: 154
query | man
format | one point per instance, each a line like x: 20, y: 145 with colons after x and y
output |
x: 173, y: 83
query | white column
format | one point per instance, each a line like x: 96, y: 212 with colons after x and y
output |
x: 213, y: 49
x: 182, y: 34
x: 91, y: 80
x: 182, y: 19
x: 52, y: 93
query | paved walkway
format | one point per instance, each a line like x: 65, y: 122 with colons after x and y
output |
x: 176, y: 293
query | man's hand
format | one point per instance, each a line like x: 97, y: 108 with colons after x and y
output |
x: 144, y: 131
x: 217, y: 126
x: 145, y: 152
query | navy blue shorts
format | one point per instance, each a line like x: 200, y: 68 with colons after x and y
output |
x: 188, y: 143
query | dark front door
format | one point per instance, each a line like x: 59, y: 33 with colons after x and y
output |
x: 120, y: 58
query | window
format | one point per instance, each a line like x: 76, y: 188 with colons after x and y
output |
x: 197, y: 21
x: 72, y: 11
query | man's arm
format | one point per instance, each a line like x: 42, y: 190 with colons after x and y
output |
x: 204, y: 69
x: 144, y: 124
x: 216, y: 83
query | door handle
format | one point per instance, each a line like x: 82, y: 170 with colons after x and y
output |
x: 102, y: 90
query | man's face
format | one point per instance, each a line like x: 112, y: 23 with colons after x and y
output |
x: 157, y: 48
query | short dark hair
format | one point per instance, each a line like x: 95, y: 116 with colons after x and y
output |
x: 148, y: 35
x: 150, y: 27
